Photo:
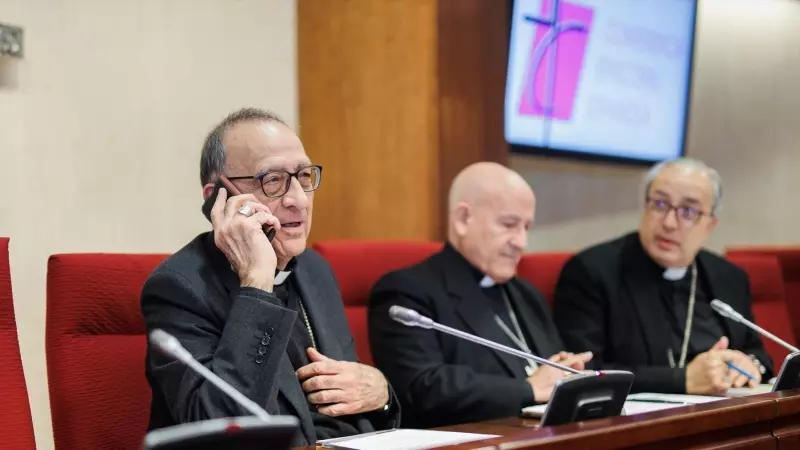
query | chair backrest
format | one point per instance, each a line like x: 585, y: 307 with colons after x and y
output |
x: 96, y: 344
x: 542, y: 270
x: 358, y: 265
x: 768, y: 300
x: 789, y: 258
x: 15, y: 413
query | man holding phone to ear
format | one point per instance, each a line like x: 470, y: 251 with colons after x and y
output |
x: 264, y: 314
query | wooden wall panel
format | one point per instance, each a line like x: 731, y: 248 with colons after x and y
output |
x: 473, y: 54
x: 397, y: 96
x: 367, y: 96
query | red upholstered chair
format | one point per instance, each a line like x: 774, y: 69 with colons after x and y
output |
x: 789, y: 258
x: 358, y: 265
x: 99, y: 397
x: 769, y: 300
x: 15, y: 413
x: 542, y: 270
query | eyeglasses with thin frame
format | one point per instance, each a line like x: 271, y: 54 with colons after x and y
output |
x: 686, y: 214
x: 275, y: 183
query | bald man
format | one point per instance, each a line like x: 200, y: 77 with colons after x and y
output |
x: 471, y: 286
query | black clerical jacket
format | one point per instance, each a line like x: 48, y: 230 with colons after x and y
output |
x: 607, y: 302
x: 441, y: 379
x: 242, y: 335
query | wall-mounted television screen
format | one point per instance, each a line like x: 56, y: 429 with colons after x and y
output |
x: 608, y: 79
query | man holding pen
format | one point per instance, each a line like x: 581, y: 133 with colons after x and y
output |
x: 642, y: 302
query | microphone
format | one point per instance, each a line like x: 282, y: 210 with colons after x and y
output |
x: 725, y: 310
x: 171, y: 346
x: 411, y: 318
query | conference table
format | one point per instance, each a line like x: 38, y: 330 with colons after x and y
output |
x: 764, y: 421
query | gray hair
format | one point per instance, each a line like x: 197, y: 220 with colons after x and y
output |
x: 212, y: 158
x: 689, y: 163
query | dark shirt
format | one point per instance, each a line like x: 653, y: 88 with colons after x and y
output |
x: 300, y: 340
x: 706, y: 326
x: 674, y: 295
x: 495, y: 298
x: 495, y: 294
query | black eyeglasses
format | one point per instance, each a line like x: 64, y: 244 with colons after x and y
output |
x: 686, y: 214
x: 275, y: 183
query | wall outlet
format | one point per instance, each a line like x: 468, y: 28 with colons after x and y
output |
x: 10, y: 40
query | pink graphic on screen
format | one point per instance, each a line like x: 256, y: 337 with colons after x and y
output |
x: 571, y: 48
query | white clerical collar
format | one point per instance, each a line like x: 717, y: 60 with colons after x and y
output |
x: 487, y: 282
x: 281, y: 276
x: 674, y: 273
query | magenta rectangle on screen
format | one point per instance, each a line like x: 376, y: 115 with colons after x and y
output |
x: 569, y: 62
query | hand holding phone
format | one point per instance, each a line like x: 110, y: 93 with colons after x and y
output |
x: 208, y: 204
x: 238, y: 235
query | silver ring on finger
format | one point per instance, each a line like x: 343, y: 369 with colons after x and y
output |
x: 245, y: 210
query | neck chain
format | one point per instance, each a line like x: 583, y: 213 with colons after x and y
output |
x: 687, y: 331
x: 518, y: 338
x: 308, y: 323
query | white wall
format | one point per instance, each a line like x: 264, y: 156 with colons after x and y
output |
x: 743, y: 121
x: 100, y: 133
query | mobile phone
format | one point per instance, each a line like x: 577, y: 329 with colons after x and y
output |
x: 208, y: 204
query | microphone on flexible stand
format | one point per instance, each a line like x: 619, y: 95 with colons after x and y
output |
x: 789, y: 374
x: 584, y: 396
x: 725, y: 310
x: 241, y: 433
x: 411, y: 318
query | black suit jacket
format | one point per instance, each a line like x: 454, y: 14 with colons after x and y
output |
x: 241, y: 334
x: 604, y: 304
x: 440, y: 379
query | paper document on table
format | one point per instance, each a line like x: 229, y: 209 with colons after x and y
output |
x: 630, y: 408
x: 635, y: 407
x: 402, y: 440
x: 744, y: 392
x: 681, y: 399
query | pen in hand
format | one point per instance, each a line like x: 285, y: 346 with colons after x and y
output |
x: 740, y: 370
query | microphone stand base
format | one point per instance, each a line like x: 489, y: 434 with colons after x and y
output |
x: 591, y: 395
x: 241, y: 433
